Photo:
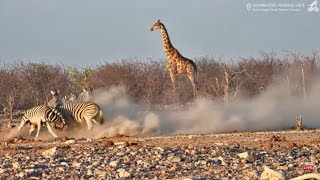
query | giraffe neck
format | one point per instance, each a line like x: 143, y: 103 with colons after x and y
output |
x: 167, y: 46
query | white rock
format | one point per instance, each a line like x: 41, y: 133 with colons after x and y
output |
x: 21, y: 174
x: 29, y: 170
x: 176, y: 159
x: 15, y: 165
x: 89, y: 172
x: 100, y: 173
x: 2, y: 170
x: 223, y: 163
x: 76, y: 164
x: 113, y: 163
x: 118, y: 143
x: 269, y: 174
x: 71, y: 141
x: 64, y: 164
x: 122, y: 173
x: 160, y: 149
x: 50, y: 152
x: 139, y: 161
x: 243, y: 155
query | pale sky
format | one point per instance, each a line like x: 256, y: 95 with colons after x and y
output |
x: 88, y: 33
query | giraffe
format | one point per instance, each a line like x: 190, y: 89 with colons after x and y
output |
x: 176, y: 63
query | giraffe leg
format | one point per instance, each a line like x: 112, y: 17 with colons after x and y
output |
x: 194, y: 85
x: 173, y: 82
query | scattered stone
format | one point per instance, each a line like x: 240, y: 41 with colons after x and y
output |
x: 89, y: 172
x: 71, y: 141
x: 76, y: 164
x: 50, y: 152
x: 2, y: 170
x: 109, y: 143
x: 16, y: 165
x: 267, y: 145
x: 176, y: 159
x: 113, y: 163
x: 269, y: 174
x: 21, y: 174
x: 243, y: 155
x: 122, y: 173
x: 194, y: 159
x: 64, y: 164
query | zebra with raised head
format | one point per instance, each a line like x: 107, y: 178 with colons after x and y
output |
x: 42, y: 115
x: 68, y: 99
x: 85, y: 95
x: 82, y: 112
x: 55, y: 100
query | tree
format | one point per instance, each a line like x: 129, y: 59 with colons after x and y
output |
x: 11, y: 87
x: 41, y: 78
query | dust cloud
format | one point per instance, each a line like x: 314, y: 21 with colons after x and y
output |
x: 274, y: 109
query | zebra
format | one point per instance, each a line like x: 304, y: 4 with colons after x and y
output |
x: 39, y: 115
x: 85, y: 95
x: 55, y: 99
x: 80, y: 112
x: 68, y: 99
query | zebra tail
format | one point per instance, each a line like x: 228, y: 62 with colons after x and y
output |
x: 101, y: 117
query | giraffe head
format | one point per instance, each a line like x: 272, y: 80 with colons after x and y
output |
x: 156, y: 26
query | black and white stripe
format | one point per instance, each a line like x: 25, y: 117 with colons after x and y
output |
x: 82, y: 112
x: 42, y: 115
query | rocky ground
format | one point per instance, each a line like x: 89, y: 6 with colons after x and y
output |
x: 212, y: 156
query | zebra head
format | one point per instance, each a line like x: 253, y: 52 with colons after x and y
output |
x: 61, y: 123
x: 55, y: 92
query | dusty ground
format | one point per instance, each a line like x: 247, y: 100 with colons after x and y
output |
x: 260, y: 140
x: 220, y: 148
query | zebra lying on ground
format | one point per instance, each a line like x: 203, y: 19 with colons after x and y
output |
x: 80, y: 112
x: 42, y: 114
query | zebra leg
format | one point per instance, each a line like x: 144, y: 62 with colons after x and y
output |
x: 50, y: 130
x: 89, y: 123
x: 23, y: 122
x: 33, y: 127
x: 93, y: 120
x: 39, y: 126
